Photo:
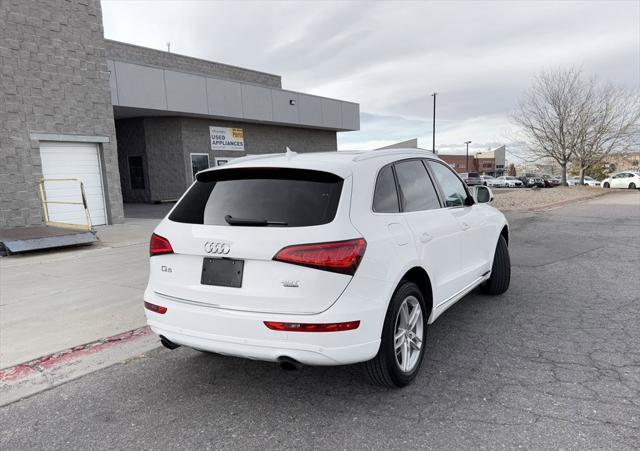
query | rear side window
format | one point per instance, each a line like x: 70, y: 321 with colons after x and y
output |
x: 261, y: 196
x: 417, y: 192
x: 385, y: 198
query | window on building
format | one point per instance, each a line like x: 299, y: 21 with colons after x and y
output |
x: 199, y: 162
x: 136, y: 172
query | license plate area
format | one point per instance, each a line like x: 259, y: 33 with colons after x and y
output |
x: 222, y: 272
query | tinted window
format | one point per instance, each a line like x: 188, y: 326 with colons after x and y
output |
x: 416, y: 190
x: 385, y: 198
x: 136, y: 172
x: 296, y: 197
x: 454, y: 192
x: 474, y: 175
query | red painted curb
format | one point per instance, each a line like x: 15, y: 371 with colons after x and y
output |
x: 51, y: 361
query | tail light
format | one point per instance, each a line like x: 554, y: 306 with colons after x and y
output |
x: 312, y: 327
x: 339, y: 256
x: 159, y: 245
x: 155, y: 308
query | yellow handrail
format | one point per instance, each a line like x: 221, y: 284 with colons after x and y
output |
x: 45, y: 204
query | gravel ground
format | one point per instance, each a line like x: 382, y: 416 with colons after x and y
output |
x: 526, y: 199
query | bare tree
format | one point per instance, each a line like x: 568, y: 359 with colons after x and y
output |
x: 609, y: 124
x: 548, y: 116
x: 565, y: 117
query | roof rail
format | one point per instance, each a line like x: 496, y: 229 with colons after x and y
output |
x: 384, y: 152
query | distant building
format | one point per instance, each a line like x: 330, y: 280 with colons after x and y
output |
x: 625, y: 161
x: 490, y: 162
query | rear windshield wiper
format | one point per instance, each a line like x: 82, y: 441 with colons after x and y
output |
x: 253, y: 222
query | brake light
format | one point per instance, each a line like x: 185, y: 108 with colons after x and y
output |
x: 311, y: 327
x: 159, y: 245
x: 155, y: 308
x: 339, y: 256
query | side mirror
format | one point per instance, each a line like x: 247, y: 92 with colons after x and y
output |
x: 482, y: 194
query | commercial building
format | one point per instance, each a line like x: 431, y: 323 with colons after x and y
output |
x: 133, y: 124
x: 490, y: 162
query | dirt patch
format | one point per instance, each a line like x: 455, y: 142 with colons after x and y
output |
x: 533, y: 199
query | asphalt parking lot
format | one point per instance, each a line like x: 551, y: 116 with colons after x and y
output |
x: 553, y: 363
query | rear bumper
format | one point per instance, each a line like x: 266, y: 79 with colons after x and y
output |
x: 243, y: 334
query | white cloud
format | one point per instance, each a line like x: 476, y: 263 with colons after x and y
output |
x: 390, y: 56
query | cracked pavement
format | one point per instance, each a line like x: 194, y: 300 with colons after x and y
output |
x: 553, y: 363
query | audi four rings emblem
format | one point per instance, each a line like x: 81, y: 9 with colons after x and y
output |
x: 214, y: 247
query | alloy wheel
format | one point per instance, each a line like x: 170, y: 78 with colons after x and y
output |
x: 408, y: 334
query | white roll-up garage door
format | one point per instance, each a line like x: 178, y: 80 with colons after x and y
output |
x: 73, y: 160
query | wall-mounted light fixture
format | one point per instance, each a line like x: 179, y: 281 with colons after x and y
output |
x: 292, y: 101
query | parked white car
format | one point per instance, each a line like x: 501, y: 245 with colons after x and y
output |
x: 573, y: 181
x: 492, y: 182
x: 626, y: 179
x: 323, y: 259
x: 588, y: 181
x: 591, y: 181
x: 510, y: 181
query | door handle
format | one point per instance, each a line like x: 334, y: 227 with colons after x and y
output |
x: 425, y: 237
x: 465, y: 226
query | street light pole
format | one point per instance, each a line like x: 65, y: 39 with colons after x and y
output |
x: 434, y: 122
x: 467, y: 143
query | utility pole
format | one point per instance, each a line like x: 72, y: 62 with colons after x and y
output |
x: 434, y: 122
x: 168, y: 47
x: 467, y: 143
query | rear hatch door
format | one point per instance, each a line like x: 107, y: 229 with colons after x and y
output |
x: 229, y: 226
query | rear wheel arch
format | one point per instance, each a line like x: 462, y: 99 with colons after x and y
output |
x: 419, y: 276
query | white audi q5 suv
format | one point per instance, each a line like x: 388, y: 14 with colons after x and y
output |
x: 323, y: 259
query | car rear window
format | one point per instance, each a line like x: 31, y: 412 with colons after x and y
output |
x: 474, y: 175
x: 281, y: 196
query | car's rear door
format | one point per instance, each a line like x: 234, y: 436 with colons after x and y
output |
x: 621, y: 180
x: 436, y: 233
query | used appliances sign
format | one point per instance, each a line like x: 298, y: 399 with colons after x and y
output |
x: 223, y: 138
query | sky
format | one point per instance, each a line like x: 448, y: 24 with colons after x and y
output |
x: 479, y: 56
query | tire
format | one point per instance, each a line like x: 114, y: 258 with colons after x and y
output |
x: 500, y: 278
x: 632, y: 185
x: 385, y: 368
x: 606, y: 185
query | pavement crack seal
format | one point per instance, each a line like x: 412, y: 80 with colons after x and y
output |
x: 51, y: 370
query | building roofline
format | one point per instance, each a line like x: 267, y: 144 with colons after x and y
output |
x: 190, y: 57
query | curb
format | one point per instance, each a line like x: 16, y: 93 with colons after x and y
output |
x: 46, y: 372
